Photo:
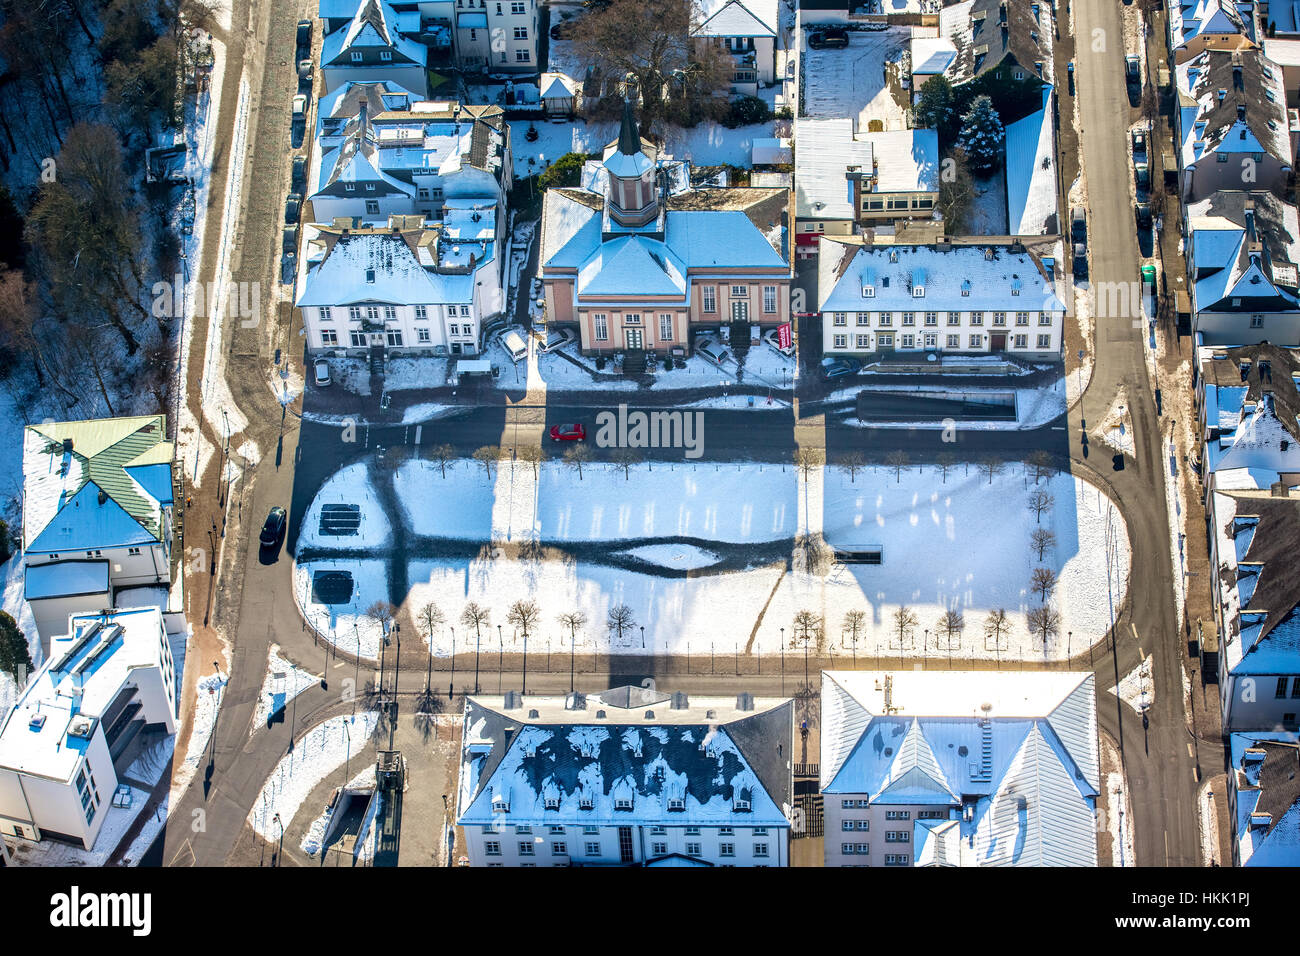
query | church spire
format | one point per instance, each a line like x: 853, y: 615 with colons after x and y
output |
x: 629, y: 137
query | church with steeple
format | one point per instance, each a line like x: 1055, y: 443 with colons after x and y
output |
x: 638, y: 259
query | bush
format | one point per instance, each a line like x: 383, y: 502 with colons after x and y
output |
x: 564, y: 172
x: 6, y: 546
x: 784, y: 113
x: 600, y: 363
x: 668, y: 365
x: 14, y: 656
x: 746, y: 111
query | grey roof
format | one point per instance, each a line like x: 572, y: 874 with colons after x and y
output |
x: 1240, y: 74
x: 992, y: 42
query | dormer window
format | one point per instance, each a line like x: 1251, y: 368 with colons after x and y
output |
x: 385, y: 55
x: 623, y: 803
x: 918, y: 292
x: 370, y: 276
x: 370, y: 187
x: 552, y: 802
x: 585, y: 802
x: 676, y: 803
x: 356, y: 56
x: 742, y: 805
x: 349, y: 187
x: 868, y: 292
x: 965, y: 287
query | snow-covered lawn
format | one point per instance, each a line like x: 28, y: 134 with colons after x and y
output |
x: 710, y: 501
x: 1136, y: 688
x: 318, y: 752
x: 988, y: 210
x: 117, y: 820
x: 346, y: 626
x: 852, y: 83
x: 350, y: 486
x: 282, y: 678
x: 962, y: 545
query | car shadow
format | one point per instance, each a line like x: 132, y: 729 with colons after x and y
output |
x: 268, y: 555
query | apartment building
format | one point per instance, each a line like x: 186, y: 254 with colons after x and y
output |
x: 750, y: 30
x: 941, y: 297
x: 98, y: 506
x: 951, y: 769
x: 1264, y: 798
x: 628, y: 777
x: 108, y: 681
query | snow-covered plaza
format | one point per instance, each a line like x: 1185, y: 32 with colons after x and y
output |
x: 722, y: 554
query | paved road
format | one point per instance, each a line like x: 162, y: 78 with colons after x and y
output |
x: 1161, y: 773
x: 298, y: 457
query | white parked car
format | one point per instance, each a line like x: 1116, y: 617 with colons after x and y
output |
x: 514, y: 344
x: 552, y: 339
x: 773, y: 338
x: 299, y: 107
x: 712, y: 352
x: 321, y: 370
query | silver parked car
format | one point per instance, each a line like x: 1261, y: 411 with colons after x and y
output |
x: 713, y: 352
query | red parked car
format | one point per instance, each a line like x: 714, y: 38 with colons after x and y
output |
x: 568, y: 433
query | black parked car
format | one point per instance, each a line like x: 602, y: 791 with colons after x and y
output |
x: 298, y: 180
x: 1078, y: 225
x: 1080, y: 261
x: 829, y: 38
x: 292, y: 208
x: 290, y: 240
x: 304, y: 34
x: 1142, y: 213
x: 833, y: 368
x: 273, y: 528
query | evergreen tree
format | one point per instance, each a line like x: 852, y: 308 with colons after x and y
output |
x: 981, y: 136
x: 936, y: 109
x: 13, y: 647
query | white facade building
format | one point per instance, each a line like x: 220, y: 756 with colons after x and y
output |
x: 750, y: 30
x: 959, y: 769
x: 97, y: 517
x: 941, y: 298
x: 372, y: 46
x: 629, y: 777
x: 65, y: 741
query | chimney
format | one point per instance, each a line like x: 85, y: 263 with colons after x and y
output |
x: 1279, y: 489
x: 1253, y: 757
x: 513, y: 701
x: 744, y: 701
x: 679, y: 701
x: 103, y: 497
x: 67, y: 446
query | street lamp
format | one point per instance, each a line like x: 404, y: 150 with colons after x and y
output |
x: 356, y: 679
x: 642, y: 637
x: 782, y: 662
x: 524, y: 683
x: 280, y: 849
x: 451, y: 684
x: 397, y: 661
x: 347, y: 759
x: 478, y: 640
x: 501, y: 656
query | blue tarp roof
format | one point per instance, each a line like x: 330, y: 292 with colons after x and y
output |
x: 65, y: 578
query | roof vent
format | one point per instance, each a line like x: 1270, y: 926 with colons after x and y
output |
x: 600, y: 715
x: 679, y: 701
x: 67, y: 446
x: 81, y: 726
x: 37, y: 722
x: 744, y: 701
x: 512, y: 700
x: 575, y: 701
x: 103, y: 497
x: 649, y: 715
x: 532, y: 714
x: 710, y: 714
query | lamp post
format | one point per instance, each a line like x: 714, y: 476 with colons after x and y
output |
x: 280, y: 848
x: 642, y: 637
x: 501, y: 656
x: 925, y: 647
x: 451, y: 684
x: 571, y: 640
x: 524, y: 681
x: 478, y: 640
x: 397, y: 661
x: 356, y: 678
x: 347, y: 759
x: 1069, y: 640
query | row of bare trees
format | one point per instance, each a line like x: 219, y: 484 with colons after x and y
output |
x: 524, y: 616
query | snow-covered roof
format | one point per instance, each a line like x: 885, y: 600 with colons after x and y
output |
x: 905, y: 160
x: 65, y: 579
x: 95, y: 484
x: 1191, y: 19
x: 1265, y: 773
x: 962, y: 278
x: 373, y: 28
x: 627, y: 756
x: 1018, y: 750
x: 738, y: 18
x: 1232, y: 102
x: 381, y: 267
x: 93, y: 661
x: 557, y: 86
x: 825, y: 149
x: 1245, y: 246
x: 988, y: 32
x: 770, y: 151
x: 1031, y: 175
x: 1232, y: 383
x: 1258, y: 581
x: 931, y: 56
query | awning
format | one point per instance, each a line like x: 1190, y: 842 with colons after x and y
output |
x: 806, y: 238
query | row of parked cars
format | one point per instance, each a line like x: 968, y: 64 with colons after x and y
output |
x: 297, y: 132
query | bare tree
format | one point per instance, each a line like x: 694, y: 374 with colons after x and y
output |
x: 532, y: 455
x: 431, y: 618
x: 524, y: 614
x: 1041, y: 541
x: 626, y: 459
x: 854, y: 621
x: 997, y: 625
x: 808, y: 627
x: 1042, y: 581
x: 618, y: 619
x: 444, y: 455
x: 1039, y: 465
x: 945, y: 462
x: 650, y: 40
x: 487, y: 456
x: 898, y: 460
x: 577, y: 456
x: 991, y: 464
x: 808, y: 460
x: 1044, y: 621
x: 476, y: 616
x: 1040, y: 501
x: 573, y: 620
x: 950, y: 625
x: 382, y: 613
x: 853, y: 462
x: 905, y: 621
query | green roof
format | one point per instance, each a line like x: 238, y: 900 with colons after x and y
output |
x: 105, y: 448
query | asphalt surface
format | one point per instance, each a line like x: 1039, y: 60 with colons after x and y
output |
x: 257, y: 594
x: 1162, y: 773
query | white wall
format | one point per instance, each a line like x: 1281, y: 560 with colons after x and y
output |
x: 644, y: 840
x: 965, y: 328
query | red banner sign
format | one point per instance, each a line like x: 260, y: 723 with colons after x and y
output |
x: 785, y: 335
